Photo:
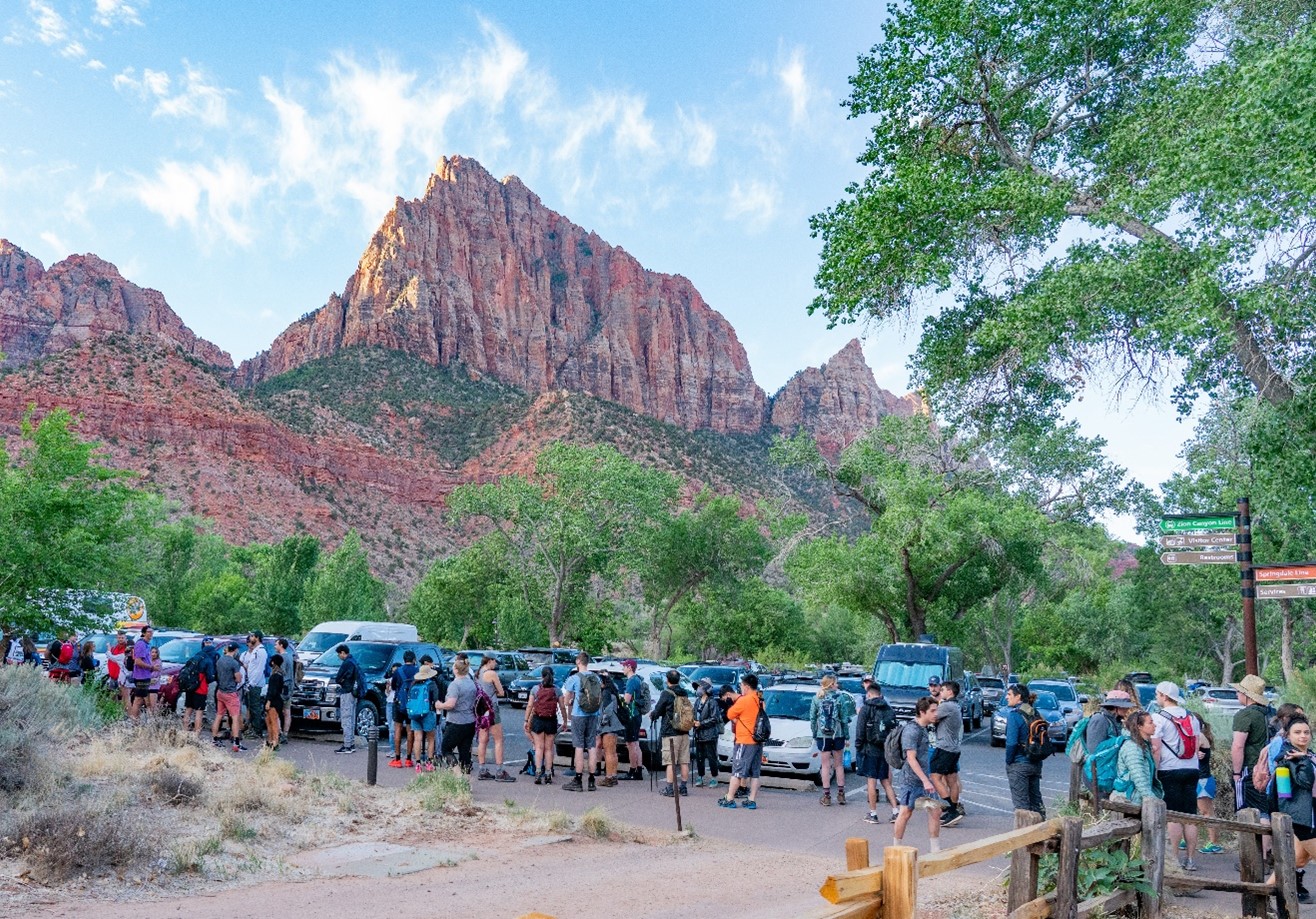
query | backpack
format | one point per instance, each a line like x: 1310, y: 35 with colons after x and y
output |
x: 545, y: 704
x: 484, y: 708
x: 878, y: 726
x: 66, y: 652
x: 1104, y: 763
x: 1077, y: 748
x: 683, y: 714
x: 643, y: 700
x: 189, y: 678
x: 590, y: 697
x: 762, y: 724
x: 893, y: 750
x: 1037, y: 743
x: 268, y: 667
x: 1188, y: 739
x: 827, y: 715
x: 359, y: 687
x: 418, y: 700
x: 298, y: 671
x: 1261, y: 771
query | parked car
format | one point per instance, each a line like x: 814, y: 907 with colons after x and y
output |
x: 791, y: 751
x: 511, y: 666
x: 1220, y: 700
x: 538, y: 657
x: 326, y: 636
x: 315, y: 698
x: 993, y: 693
x: 520, y: 690
x: 720, y: 675
x: 1071, y: 704
x: 1147, y: 696
x: 1048, y: 706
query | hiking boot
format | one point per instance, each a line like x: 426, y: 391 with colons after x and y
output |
x: 668, y: 791
x: 608, y: 781
x: 548, y: 777
x: 637, y: 773
x: 872, y: 817
x: 684, y: 791
x: 726, y: 802
x: 840, y: 797
x: 539, y: 779
x: 826, y: 799
x: 503, y: 776
x: 591, y: 786
x: 395, y: 764
x: 574, y: 784
x: 485, y: 775
x: 951, y: 816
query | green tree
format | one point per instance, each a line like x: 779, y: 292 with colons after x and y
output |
x: 1174, y: 135
x: 283, y: 572
x: 342, y: 587
x: 474, y: 598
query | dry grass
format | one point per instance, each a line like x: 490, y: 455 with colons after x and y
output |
x: 596, y: 823
x: 72, y: 840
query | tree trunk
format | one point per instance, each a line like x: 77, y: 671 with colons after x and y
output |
x: 1286, y: 638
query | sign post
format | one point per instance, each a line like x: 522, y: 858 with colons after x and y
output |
x: 1247, y: 586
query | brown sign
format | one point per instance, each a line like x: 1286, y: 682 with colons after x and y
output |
x: 1199, y: 558
x: 1190, y: 540
x: 1285, y: 591
x: 1286, y: 573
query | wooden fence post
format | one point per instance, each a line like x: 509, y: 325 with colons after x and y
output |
x: 1075, y: 782
x: 1286, y: 877
x: 1249, y: 862
x: 1071, y: 839
x: 856, y: 853
x: 899, y: 882
x: 1153, y: 857
x: 1023, y: 865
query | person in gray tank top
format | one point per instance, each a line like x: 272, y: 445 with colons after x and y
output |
x: 948, y: 734
x: 459, y: 731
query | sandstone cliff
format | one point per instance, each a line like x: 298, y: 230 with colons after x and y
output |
x: 81, y: 298
x: 479, y: 272
x: 838, y: 401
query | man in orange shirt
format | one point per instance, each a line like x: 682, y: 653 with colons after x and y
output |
x: 747, y: 759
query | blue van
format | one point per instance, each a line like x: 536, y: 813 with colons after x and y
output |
x: 903, y: 671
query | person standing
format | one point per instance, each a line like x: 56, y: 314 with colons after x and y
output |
x: 420, y: 705
x: 400, y: 684
x: 142, y: 671
x: 274, y: 696
x: 114, y: 665
x: 914, y: 788
x: 1174, y: 745
x: 493, y: 687
x: 253, y: 661
x: 459, y: 731
x: 948, y: 734
x: 228, y: 677
x: 285, y: 651
x: 86, y: 661
x: 708, y: 724
x: 747, y: 755
x: 1251, y: 729
x: 830, y: 714
x: 1295, y: 753
x: 676, y: 712
x: 876, y: 720
x: 635, y: 699
x: 349, y: 681
x: 583, y: 694
x: 194, y: 700
x: 1135, y: 768
x: 1023, y: 771
x: 611, y: 729
x: 1206, y: 791
x: 541, y: 722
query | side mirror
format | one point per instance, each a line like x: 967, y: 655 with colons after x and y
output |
x: 1083, y: 700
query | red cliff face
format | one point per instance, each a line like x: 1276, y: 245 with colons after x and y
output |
x: 44, y: 312
x: 480, y: 272
x: 838, y: 401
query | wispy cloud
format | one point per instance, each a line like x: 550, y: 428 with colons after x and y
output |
x: 700, y: 138
x: 213, y: 199
x: 795, y: 83
x: 111, y: 13
x: 754, y: 202
x: 198, y: 97
x: 51, y: 29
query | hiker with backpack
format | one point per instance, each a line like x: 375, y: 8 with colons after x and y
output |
x: 637, y: 700
x: 611, y: 729
x: 1096, y: 734
x: 1175, y: 747
x: 399, y: 684
x: 877, y: 719
x: 459, y: 729
x: 276, y: 691
x: 676, y: 712
x: 909, y: 748
x: 752, y: 729
x: 351, y: 686
x: 228, y: 680
x: 1026, y: 747
x: 492, y: 726
x: 419, y: 701
x: 1252, y: 732
x: 830, y: 714
x: 583, y: 697
x: 195, y: 680
x: 708, y: 724
x: 1135, y: 768
x: 948, y: 734
x: 541, y: 721
x: 290, y: 668
x: 1296, y: 799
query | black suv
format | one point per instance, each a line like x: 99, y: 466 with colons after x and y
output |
x: 315, y: 698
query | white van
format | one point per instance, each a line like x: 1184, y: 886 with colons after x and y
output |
x: 328, y: 635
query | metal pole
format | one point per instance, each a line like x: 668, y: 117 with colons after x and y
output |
x: 1247, y: 585
x: 676, y: 784
x: 372, y: 754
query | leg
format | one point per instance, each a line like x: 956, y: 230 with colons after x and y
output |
x: 610, y: 755
x: 498, y: 748
x: 890, y: 792
x: 825, y: 773
x: 872, y: 796
x: 464, y: 741
x: 754, y: 788
x: 346, y: 714
x: 902, y: 821
x: 1035, y: 790
x: 481, y: 746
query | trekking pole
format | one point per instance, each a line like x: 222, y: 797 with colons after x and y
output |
x: 372, y: 754
x: 676, y: 774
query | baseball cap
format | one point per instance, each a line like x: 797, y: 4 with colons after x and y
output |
x: 934, y: 681
x: 208, y: 640
x: 629, y: 662
x: 1170, y: 690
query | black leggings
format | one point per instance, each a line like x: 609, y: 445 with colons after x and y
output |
x: 706, y: 751
x: 458, y: 737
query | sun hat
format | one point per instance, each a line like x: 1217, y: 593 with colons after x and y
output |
x: 1252, y: 686
x: 1170, y: 690
x: 426, y: 672
x: 1117, y: 698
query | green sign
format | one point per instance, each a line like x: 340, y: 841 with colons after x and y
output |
x: 1205, y: 522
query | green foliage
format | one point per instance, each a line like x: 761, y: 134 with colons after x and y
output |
x: 342, y: 587
x: 1101, y: 871
x: 475, y: 599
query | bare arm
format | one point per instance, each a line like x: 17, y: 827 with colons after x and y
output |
x: 911, y: 757
x: 1236, y: 751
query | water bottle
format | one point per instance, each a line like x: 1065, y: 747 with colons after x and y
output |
x: 1284, y: 782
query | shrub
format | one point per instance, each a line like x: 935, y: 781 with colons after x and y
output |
x: 443, y: 789
x: 173, y: 787
x: 596, y: 823
x: 38, y: 718
x: 64, y: 841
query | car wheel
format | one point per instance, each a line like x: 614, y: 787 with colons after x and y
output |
x: 366, y: 718
x: 998, y: 741
x: 977, y: 720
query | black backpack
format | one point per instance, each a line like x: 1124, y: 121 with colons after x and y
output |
x: 1037, y: 742
x: 881, y: 719
x: 762, y: 724
x: 189, y: 678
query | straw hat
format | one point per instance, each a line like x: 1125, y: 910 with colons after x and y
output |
x: 425, y: 673
x: 1252, y: 686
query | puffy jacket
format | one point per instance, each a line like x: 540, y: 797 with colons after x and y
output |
x: 1135, y: 773
x: 709, y: 715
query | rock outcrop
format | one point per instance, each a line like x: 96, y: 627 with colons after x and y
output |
x: 480, y: 272
x: 838, y: 401
x: 44, y: 312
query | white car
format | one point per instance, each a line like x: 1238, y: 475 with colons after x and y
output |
x: 791, y: 751
x: 1220, y: 700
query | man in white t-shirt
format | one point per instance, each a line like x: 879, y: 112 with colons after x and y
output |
x: 253, y: 664
x: 1175, y: 745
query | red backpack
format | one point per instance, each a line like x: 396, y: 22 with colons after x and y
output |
x: 1187, y: 737
x: 545, y: 704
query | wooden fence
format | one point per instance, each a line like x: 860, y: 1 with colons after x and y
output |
x: 890, y: 890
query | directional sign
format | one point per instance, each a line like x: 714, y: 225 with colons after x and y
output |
x: 1285, y: 591
x: 1203, y: 522
x: 1286, y: 573
x: 1190, y: 540
x: 1199, y: 558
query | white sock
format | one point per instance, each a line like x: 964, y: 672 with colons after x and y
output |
x: 936, y: 845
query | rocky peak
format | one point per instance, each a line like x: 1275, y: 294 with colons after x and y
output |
x: 479, y: 272
x: 838, y: 401
x: 82, y: 297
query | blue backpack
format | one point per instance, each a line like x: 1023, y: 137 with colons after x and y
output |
x: 1104, y: 761
x: 418, y: 700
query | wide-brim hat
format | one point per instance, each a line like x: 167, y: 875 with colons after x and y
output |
x: 1170, y: 690
x: 426, y: 673
x: 1252, y: 686
x: 1117, y: 698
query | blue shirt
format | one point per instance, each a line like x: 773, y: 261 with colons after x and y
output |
x: 572, y: 685
x: 633, y: 684
x: 406, y: 676
x: 1016, y: 732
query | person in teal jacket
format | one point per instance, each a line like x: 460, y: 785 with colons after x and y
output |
x: 1135, y: 776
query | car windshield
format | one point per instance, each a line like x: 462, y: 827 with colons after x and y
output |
x: 851, y: 685
x: 1146, y: 694
x: 1225, y: 695
x: 1062, y: 691
x: 319, y: 642
x: 787, y: 703
x: 367, y: 656
x: 718, y: 676
x: 1046, y: 701
x: 908, y: 674
x: 560, y: 674
x: 991, y: 682
x: 179, y: 650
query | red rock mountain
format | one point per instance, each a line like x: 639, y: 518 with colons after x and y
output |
x: 838, y: 401
x: 479, y: 272
x: 44, y: 312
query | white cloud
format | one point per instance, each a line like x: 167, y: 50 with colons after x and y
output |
x: 199, y: 97
x: 214, y: 200
x: 94, y: 64
x: 795, y: 83
x: 55, y: 243
x: 700, y: 138
x: 110, y: 13
x: 73, y: 49
x: 51, y: 29
x: 754, y: 202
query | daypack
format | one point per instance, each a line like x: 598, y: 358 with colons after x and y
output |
x: 1104, y: 763
x: 893, y: 750
x: 878, y: 726
x: 484, y: 708
x: 298, y: 671
x: 1037, y: 744
x: 1077, y: 748
x: 66, y: 652
x: 683, y: 714
x: 590, y: 697
x: 189, y: 678
x: 545, y: 704
x: 418, y: 700
x: 1184, y: 726
x: 643, y: 700
x: 827, y: 715
x: 1261, y: 771
x: 762, y: 724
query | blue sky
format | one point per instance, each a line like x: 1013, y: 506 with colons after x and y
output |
x: 237, y: 156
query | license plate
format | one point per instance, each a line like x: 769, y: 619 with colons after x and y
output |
x: 311, y: 714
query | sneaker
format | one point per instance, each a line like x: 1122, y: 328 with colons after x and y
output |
x: 395, y: 764
x: 485, y: 775
x: 951, y: 817
x: 539, y: 779
x: 750, y: 806
x: 608, y: 781
x: 685, y: 792
x: 574, y: 785
x: 667, y: 791
x: 592, y: 786
x: 1211, y: 848
x: 699, y: 782
x: 712, y: 783
x: 840, y: 797
x: 872, y: 818
x: 407, y: 763
x: 826, y: 799
x: 218, y: 741
x: 1188, y: 865
x: 503, y: 776
x: 350, y: 750
x: 726, y: 802
x: 239, y: 748
x: 548, y: 777
x: 341, y: 749
x: 895, y: 812
x: 1303, y: 895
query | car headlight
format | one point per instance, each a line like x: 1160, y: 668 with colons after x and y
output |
x: 799, y: 743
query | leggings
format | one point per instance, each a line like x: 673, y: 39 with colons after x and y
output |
x: 459, y: 737
x: 706, y: 752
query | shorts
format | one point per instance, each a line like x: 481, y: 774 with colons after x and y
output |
x: 426, y: 722
x: 633, y: 729
x: 829, y: 744
x: 676, y: 750
x: 1206, y: 787
x: 584, y: 731
x: 497, y: 712
x: 195, y: 701
x: 1256, y: 799
x: 227, y: 702
x: 873, y: 766
x: 747, y: 760
x: 906, y: 795
x: 142, y: 689
x: 944, y: 762
x: 1180, y: 790
x: 400, y: 715
x: 1303, y: 833
x: 543, y: 724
